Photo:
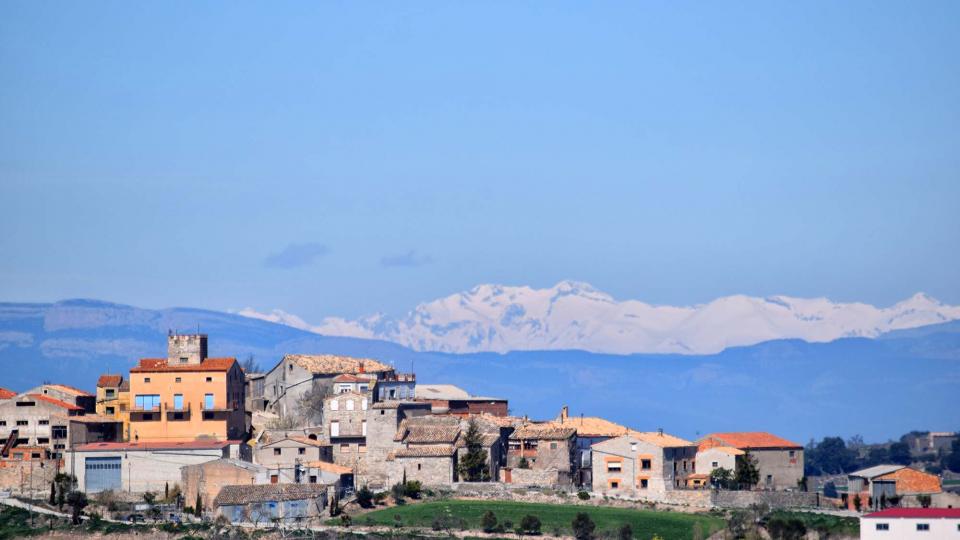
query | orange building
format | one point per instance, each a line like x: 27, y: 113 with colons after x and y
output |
x: 113, y: 400
x: 187, y: 396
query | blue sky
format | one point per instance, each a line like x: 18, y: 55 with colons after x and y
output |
x: 348, y: 157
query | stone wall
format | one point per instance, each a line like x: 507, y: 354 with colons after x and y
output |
x: 775, y: 499
x: 530, y: 477
x: 27, y: 476
x: 429, y: 471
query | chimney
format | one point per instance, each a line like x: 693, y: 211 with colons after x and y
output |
x: 660, y: 431
x: 564, y: 414
x: 362, y: 370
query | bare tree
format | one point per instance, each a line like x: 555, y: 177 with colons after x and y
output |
x: 311, y: 404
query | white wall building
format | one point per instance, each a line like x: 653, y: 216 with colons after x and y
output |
x: 910, y: 523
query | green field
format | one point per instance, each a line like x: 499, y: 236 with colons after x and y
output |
x: 824, y: 523
x: 645, y: 523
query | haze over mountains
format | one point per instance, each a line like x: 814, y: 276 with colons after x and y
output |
x: 574, y: 315
x: 791, y: 387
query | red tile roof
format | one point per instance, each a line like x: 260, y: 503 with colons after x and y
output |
x: 919, y: 513
x: 201, y: 444
x: 57, y: 402
x: 159, y: 365
x: 109, y: 380
x: 6, y: 394
x: 747, y: 440
x: 350, y: 378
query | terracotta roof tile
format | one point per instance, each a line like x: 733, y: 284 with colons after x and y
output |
x: 424, y: 451
x: 547, y: 431
x: 593, y: 426
x: 725, y: 449
x: 749, y: 440
x: 329, y: 467
x: 6, y: 394
x: 432, y: 434
x: 57, y: 402
x: 332, y: 364
x: 349, y: 378
x: 663, y: 440
x: 109, y: 381
x: 159, y: 365
x: 910, y: 481
x: 69, y: 389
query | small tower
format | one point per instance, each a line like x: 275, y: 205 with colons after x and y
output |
x: 186, y: 349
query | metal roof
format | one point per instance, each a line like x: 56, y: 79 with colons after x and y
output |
x: 876, y: 470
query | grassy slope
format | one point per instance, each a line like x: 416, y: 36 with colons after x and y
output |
x: 823, y: 522
x: 645, y: 523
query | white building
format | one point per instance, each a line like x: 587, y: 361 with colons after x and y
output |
x: 909, y: 523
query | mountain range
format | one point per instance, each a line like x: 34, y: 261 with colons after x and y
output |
x: 574, y: 315
x: 881, y: 387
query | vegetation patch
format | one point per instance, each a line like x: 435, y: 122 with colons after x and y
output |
x: 551, y: 518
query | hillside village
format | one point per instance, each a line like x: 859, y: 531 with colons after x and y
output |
x: 316, y: 433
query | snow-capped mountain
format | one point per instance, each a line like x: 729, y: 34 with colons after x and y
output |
x: 572, y: 315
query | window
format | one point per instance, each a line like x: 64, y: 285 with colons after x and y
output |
x: 614, y: 466
x: 274, y: 479
x: 3, y: 422
x: 334, y: 429
x: 178, y: 379
x: 313, y: 479
x: 208, y: 401
x: 178, y: 402
x: 277, y: 451
x: 59, y: 432
x: 109, y: 392
x: 714, y: 464
x: 334, y: 405
x: 344, y: 448
x: 147, y: 402
x: 614, y: 484
x: 178, y: 416
x: 146, y: 379
x: 363, y: 428
x: 35, y: 455
x: 43, y: 440
x: 349, y: 404
x: 393, y: 393
x: 44, y: 422
x: 184, y: 360
x: 22, y: 422
x: 419, y: 466
x: 883, y: 526
x: 209, y: 379
x: 553, y: 446
x: 923, y: 526
x: 290, y: 366
x: 645, y: 464
x: 793, y: 453
x: 110, y: 410
x: 363, y: 404
x: 633, y: 447
x: 301, y: 451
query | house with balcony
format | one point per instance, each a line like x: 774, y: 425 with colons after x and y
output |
x: 187, y: 395
x: 113, y: 400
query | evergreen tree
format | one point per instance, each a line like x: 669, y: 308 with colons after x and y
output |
x: 198, y: 507
x: 53, y: 493
x: 473, y: 465
x: 488, y: 521
x: 747, y: 474
x: 583, y: 526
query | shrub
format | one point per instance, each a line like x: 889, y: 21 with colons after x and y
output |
x: 583, y: 526
x: 412, y: 489
x: 523, y: 463
x: 380, y: 497
x: 583, y: 495
x: 345, y: 520
x: 397, y: 520
x: 786, y: 528
x: 626, y: 532
x: 530, y: 524
x: 488, y: 522
x: 924, y: 500
x: 365, y: 497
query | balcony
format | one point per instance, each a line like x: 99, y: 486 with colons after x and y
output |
x: 177, y: 413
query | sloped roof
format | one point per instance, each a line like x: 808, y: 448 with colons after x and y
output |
x: 329, y: 467
x: 448, y: 392
x: 746, y: 440
x: 198, y: 444
x: 297, y: 439
x: 486, y: 439
x: 349, y: 378
x: 67, y: 389
x: 661, y: 439
x: 6, y: 394
x: 332, y: 364
x: 431, y: 434
x: 424, y: 451
x: 909, y: 481
x: 109, y: 380
x: 231, y: 495
x: 594, y: 426
x: 876, y: 470
x: 725, y: 449
x: 159, y: 365
x: 94, y: 419
x: 547, y: 431
x: 57, y: 402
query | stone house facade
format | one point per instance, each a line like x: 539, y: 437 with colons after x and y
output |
x: 37, y: 420
x: 779, y: 461
x: 273, y: 503
x: 383, y: 420
x: 642, y: 465
x: 717, y: 457
x: 210, y: 477
x: 547, y: 446
x: 287, y: 452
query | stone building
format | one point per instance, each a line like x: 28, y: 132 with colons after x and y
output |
x: 210, y: 477
x: 547, y: 450
x: 450, y: 399
x: 590, y: 430
x: 396, y: 386
x: 345, y: 426
x: 288, y: 452
x: 879, y: 482
x: 296, y: 374
x: 717, y: 457
x: 273, y: 503
x: 642, y: 465
x: 383, y: 421
x: 779, y: 461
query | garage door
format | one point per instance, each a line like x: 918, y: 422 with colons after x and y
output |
x: 101, y: 474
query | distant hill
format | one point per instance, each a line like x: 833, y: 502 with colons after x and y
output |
x: 879, y: 388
